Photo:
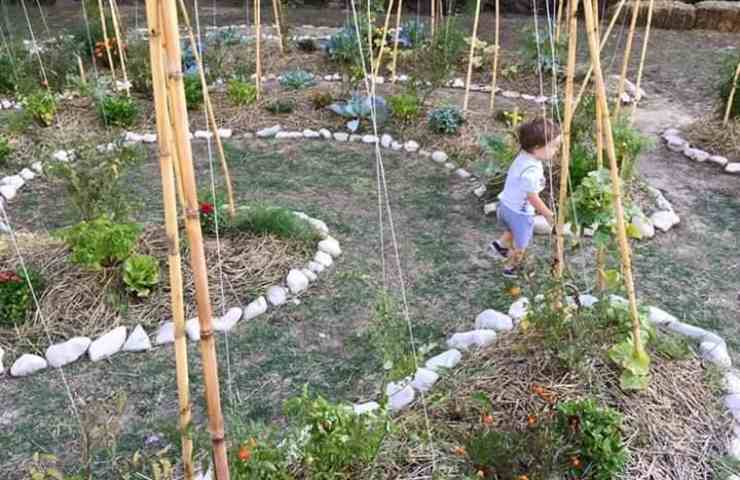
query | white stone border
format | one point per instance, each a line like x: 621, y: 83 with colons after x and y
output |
x: 675, y: 143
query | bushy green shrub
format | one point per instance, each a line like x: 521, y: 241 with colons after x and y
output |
x: 321, y: 100
x: 140, y: 68
x: 727, y: 77
x: 94, y: 181
x: 42, y: 106
x: 338, y: 439
x: 16, y: 297
x: 118, y: 110
x: 241, y: 93
x: 594, y: 437
x: 269, y: 220
x: 582, y: 162
x: 141, y: 274
x: 447, y: 120
x: 8, y: 74
x: 297, y: 80
x: 406, y: 107
x: 259, y: 459
x: 360, y: 108
x: 101, y: 242
x: 193, y: 91
x: 540, y: 53
x: 280, y: 106
x: 629, y: 142
x: 389, y: 337
x: 5, y: 150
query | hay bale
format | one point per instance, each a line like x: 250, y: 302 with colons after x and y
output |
x: 667, y: 14
x: 719, y: 16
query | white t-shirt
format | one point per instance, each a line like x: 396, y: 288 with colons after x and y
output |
x: 526, y: 175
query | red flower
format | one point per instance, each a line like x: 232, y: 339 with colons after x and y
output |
x: 206, y: 208
x: 9, y: 276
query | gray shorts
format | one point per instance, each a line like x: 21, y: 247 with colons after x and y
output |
x: 520, y: 225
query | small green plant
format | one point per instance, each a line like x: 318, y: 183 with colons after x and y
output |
x: 44, y: 467
x: 8, y: 74
x: 594, y: 439
x: 18, y: 122
x: 672, y: 347
x: 500, y: 154
x: 727, y: 78
x: 94, y: 181
x: 139, y: 68
x: 241, y: 93
x: 141, y: 274
x: 446, y: 120
x: 635, y: 362
x: 511, y: 455
x: 390, y: 338
x: 338, y: 439
x: 101, y: 242
x: 281, y: 106
x: 193, y: 91
x: 118, y: 110
x: 629, y: 142
x: 540, y: 53
x: 321, y: 100
x: 259, y: 459
x: 297, y: 80
x: 360, y: 108
x: 42, y: 106
x: 406, y: 108
x: 262, y: 219
x: 16, y: 297
x: 5, y: 150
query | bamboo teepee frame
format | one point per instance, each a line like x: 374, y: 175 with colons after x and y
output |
x: 166, y: 154
x: 566, y: 135
x: 731, y: 98
x: 396, y: 37
x: 626, y: 60
x: 106, y: 39
x: 496, y: 48
x: 624, y: 248
x: 386, y: 24
x: 645, y: 41
x: 473, y: 42
x: 278, y: 24
x: 171, y: 70
x: 258, y: 47
x: 119, y: 45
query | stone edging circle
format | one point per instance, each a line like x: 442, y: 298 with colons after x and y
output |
x: 675, y: 143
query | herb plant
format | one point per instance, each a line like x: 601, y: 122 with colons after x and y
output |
x: 406, y: 108
x: 16, y: 297
x: 193, y: 91
x: 101, y: 242
x: 118, y: 110
x: 447, y: 120
x: 262, y: 219
x: 361, y: 108
x: 42, y: 106
x: 141, y: 274
x: 5, y: 150
x: 259, y: 459
x: 241, y: 93
x: 321, y: 100
x: 297, y: 80
x: 280, y: 106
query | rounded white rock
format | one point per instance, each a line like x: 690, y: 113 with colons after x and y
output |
x: 732, y: 167
x: 228, y: 320
x: 27, y: 364
x: 165, y: 334
x: 474, y: 338
x: 363, y: 408
x: 401, y: 399
x: 108, y: 344
x: 297, y: 281
x: 411, y: 146
x: 331, y: 246
x: 664, y: 220
x: 277, y: 295
x: 138, y: 341
x: 67, y: 352
x: 386, y: 140
x: 312, y: 277
x: 315, y: 267
x: 424, y: 379
x: 493, y: 320
x: 439, y: 156
x: 324, y: 259
x: 255, y: 308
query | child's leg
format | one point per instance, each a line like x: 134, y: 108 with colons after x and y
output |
x: 506, y: 240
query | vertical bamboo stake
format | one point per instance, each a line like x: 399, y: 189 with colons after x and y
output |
x: 624, y: 248
x: 473, y: 42
x: 559, y: 20
x: 626, y: 60
x: 496, y: 48
x: 385, y: 34
x: 600, y: 252
x: 119, y: 44
x: 731, y: 98
x: 565, y: 159
x: 170, y: 212
x: 395, y: 41
x: 106, y: 40
x: 176, y: 165
x: 210, y: 116
x: 433, y: 19
x: 258, y: 40
x: 81, y: 68
x: 195, y: 237
x: 636, y: 100
x: 278, y: 27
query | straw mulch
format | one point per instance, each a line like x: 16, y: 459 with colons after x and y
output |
x: 676, y: 430
x: 708, y: 134
x: 79, y: 302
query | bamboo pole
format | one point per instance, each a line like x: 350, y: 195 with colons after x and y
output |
x: 395, y: 41
x: 166, y: 152
x: 496, y: 48
x: 473, y: 42
x: 604, y: 39
x: 559, y: 20
x: 176, y: 165
x: 195, y: 238
x: 626, y: 60
x: 278, y: 27
x: 568, y: 120
x: 81, y: 68
x: 385, y: 34
x: 258, y: 40
x: 642, y: 60
x: 433, y: 19
x: 106, y: 40
x: 209, y: 114
x: 731, y: 98
x: 600, y: 252
x: 624, y: 248
x: 119, y: 44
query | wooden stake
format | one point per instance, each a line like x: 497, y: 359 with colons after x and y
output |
x: 81, y: 68
x: 278, y: 27
x: 473, y: 42
x: 600, y: 252
x: 433, y: 19
x: 395, y: 41
x: 209, y: 114
x: 106, y: 40
x: 195, y: 238
x: 559, y: 20
x: 626, y: 60
x: 731, y: 98
x: 258, y: 40
x: 119, y: 44
x: 624, y: 247
x: 568, y: 120
x: 385, y: 34
x: 636, y: 100
x: 166, y: 152
x: 496, y: 48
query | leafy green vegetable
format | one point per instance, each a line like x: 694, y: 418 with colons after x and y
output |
x: 141, y: 274
x: 100, y: 243
x: 447, y: 120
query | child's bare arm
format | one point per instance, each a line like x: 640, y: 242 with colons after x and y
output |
x: 540, y: 207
